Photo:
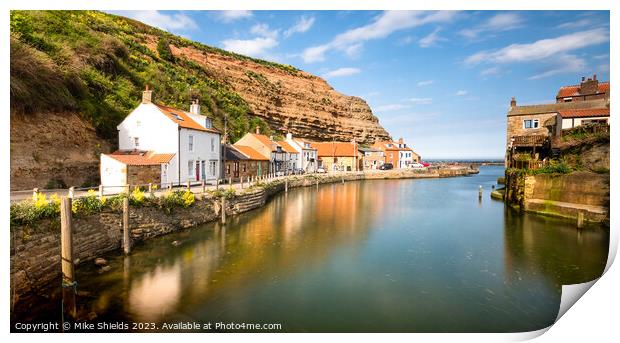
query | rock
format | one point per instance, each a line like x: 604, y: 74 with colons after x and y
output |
x: 100, y: 261
x: 92, y: 316
x: 104, y: 269
x: 176, y: 243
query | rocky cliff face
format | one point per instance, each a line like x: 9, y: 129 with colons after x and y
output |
x: 300, y: 103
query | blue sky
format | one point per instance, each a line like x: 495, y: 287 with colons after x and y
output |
x: 440, y: 79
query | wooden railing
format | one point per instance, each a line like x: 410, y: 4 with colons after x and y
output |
x: 529, y: 141
x: 531, y: 164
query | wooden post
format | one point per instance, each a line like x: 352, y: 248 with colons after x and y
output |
x: 71, y: 192
x: 223, y: 210
x: 170, y: 186
x: 230, y: 182
x: 66, y: 252
x: 241, y: 181
x: 286, y: 185
x: 217, y: 184
x: 66, y: 240
x: 480, y: 191
x: 580, y: 219
x: 100, y: 191
x: 204, y: 186
x: 189, y: 185
x: 317, y: 183
x: 127, y: 188
x: 343, y: 179
x: 150, y: 188
x: 126, y: 239
x: 35, y: 192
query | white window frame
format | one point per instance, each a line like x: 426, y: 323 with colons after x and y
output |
x: 190, y: 142
x: 136, y: 142
x: 535, y: 124
x: 190, y: 168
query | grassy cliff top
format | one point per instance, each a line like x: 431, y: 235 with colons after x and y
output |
x: 96, y: 64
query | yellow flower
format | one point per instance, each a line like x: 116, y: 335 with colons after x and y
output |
x: 40, y: 201
x: 188, y: 198
x: 137, y: 194
x: 91, y: 193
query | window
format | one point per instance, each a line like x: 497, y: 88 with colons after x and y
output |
x: 530, y: 124
x: 244, y: 168
x: 212, y: 144
x: 212, y: 168
x: 190, y: 168
x: 228, y: 169
x: 191, y: 143
x: 136, y: 141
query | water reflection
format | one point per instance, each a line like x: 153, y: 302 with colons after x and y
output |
x: 384, y: 255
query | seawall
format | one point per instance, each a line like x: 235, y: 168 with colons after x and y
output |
x: 562, y: 195
x: 35, y: 252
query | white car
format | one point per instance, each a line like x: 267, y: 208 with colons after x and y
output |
x: 416, y: 166
x: 321, y: 170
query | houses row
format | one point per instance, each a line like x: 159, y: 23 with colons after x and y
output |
x: 532, y: 129
x: 166, y: 146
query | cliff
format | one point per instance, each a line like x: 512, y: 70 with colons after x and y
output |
x: 91, y: 67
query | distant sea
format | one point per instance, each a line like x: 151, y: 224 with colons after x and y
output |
x: 464, y: 160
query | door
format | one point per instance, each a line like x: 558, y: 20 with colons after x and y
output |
x: 204, y: 171
x: 236, y: 170
x: 197, y: 170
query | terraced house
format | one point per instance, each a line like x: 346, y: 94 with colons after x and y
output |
x: 162, y: 145
x: 532, y: 129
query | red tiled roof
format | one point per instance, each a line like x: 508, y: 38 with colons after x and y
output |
x: 590, y: 112
x: 183, y: 119
x: 140, y: 158
x: 574, y: 90
x: 339, y: 149
x: 251, y: 153
x: 394, y: 146
x: 287, y: 147
x: 265, y: 140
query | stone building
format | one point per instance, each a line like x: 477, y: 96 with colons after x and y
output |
x: 243, y: 162
x: 372, y: 158
x: 338, y: 156
x: 531, y: 129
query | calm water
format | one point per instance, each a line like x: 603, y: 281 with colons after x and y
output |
x: 384, y: 255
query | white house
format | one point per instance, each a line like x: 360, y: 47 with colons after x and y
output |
x: 184, y: 145
x: 307, y: 159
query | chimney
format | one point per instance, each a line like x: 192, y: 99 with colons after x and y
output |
x: 400, y: 141
x: 289, y: 136
x: 589, y: 87
x: 147, y: 95
x: 583, y: 78
x: 594, y: 78
x: 194, y: 107
x: 257, y: 130
x: 513, y: 102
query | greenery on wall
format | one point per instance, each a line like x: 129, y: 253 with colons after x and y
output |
x: 97, y: 64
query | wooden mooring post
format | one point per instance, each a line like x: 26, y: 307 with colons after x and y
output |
x: 223, y: 210
x: 217, y: 184
x: 580, y: 219
x: 204, y: 186
x: 480, y: 192
x: 286, y: 185
x: 66, y: 253
x: 126, y: 238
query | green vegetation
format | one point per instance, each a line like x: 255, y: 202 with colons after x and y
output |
x: 29, y: 213
x: 97, y: 64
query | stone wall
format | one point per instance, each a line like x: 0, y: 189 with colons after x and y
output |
x: 564, y: 195
x: 142, y: 175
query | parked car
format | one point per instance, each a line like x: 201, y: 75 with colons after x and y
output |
x: 416, y: 166
x: 299, y: 171
x: 321, y: 170
x: 386, y: 166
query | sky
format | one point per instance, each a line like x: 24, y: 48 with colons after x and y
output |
x: 442, y: 80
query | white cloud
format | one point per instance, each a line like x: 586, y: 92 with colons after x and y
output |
x: 164, y: 21
x: 230, y: 16
x: 405, y: 40
x: 340, y: 72
x: 575, y: 24
x: 431, y: 39
x: 499, y: 22
x: 390, y: 107
x: 421, y: 101
x: 303, y: 24
x: 383, y: 25
x: 256, y: 47
x: 540, y: 49
x: 263, y: 30
x: 425, y: 83
x: 562, y: 64
x: 490, y: 71
x: 461, y: 92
